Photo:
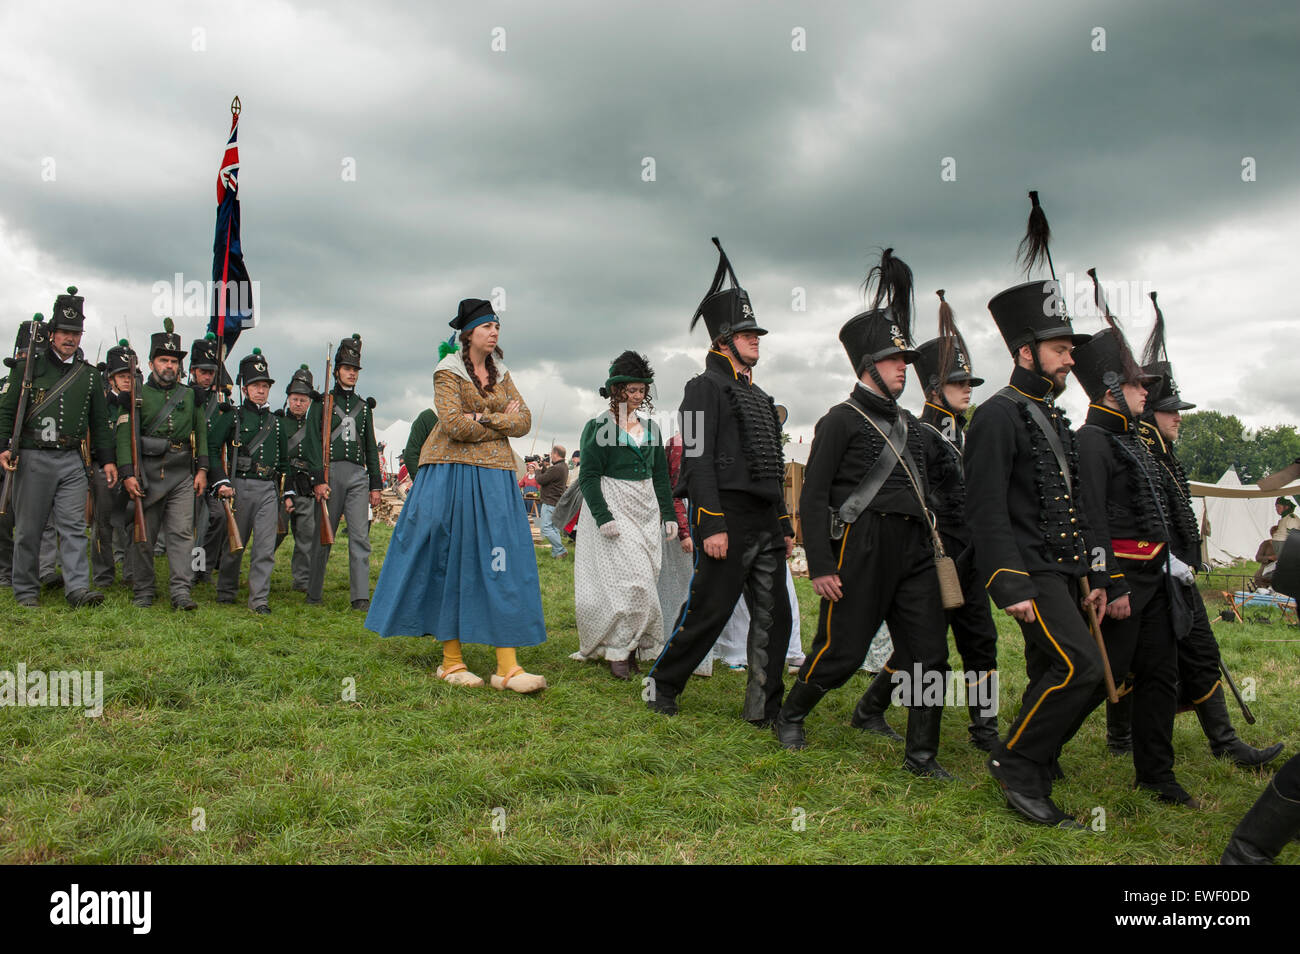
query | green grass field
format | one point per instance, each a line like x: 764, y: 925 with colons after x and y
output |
x: 242, y: 719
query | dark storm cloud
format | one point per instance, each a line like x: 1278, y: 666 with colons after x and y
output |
x: 522, y: 170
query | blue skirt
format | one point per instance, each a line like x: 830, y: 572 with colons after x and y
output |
x: 461, y: 563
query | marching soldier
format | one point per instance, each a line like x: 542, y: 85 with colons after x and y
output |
x: 258, y: 455
x: 355, y: 481
x: 1199, y: 685
x: 210, y: 384
x: 867, y: 530
x: 66, y: 402
x: 109, y: 541
x: 304, y: 482
x: 1125, y: 506
x: 733, y: 473
x: 173, y: 455
x: 14, y: 380
x: 945, y: 374
x: 1029, y: 535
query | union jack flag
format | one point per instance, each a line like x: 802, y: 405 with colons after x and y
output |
x: 232, y: 294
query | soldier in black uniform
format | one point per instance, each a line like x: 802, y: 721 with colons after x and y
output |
x: 1199, y: 685
x: 67, y: 405
x: 1023, y: 507
x: 1125, y: 506
x: 210, y: 383
x: 305, y: 478
x: 1274, y: 819
x: 867, y: 531
x: 734, y: 476
x: 258, y: 456
x: 943, y: 367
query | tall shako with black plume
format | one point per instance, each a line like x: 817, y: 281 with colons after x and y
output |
x: 1105, y: 361
x: 726, y: 311
x: 1155, y: 360
x: 944, y: 360
x: 884, y: 329
x: 1034, y: 311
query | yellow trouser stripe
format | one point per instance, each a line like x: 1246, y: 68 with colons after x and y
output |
x: 830, y: 609
x: 1068, y: 675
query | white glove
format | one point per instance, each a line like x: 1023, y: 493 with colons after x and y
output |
x: 670, y: 529
x: 1180, y: 571
x: 609, y: 530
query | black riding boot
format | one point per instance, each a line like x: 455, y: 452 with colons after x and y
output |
x: 1224, y: 741
x: 983, y: 729
x: 923, y: 743
x: 1271, y: 822
x: 869, y: 714
x: 1119, y: 725
x: 799, y: 701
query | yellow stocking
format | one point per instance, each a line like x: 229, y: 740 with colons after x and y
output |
x: 451, y: 653
x: 505, y: 660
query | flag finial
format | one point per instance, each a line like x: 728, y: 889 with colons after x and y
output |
x: 235, y: 107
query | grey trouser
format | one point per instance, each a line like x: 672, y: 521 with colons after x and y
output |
x: 50, y: 483
x: 302, y: 526
x: 7, y: 545
x: 49, y: 552
x: 169, y: 506
x: 255, y: 506
x: 108, y: 535
x: 350, y: 499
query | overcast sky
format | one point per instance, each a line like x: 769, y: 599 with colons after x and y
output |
x: 525, y: 169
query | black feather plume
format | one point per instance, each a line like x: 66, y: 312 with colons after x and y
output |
x: 892, y: 279
x: 1155, y: 349
x: 723, y: 271
x: 1129, y: 368
x: 1034, y: 248
x: 949, y: 338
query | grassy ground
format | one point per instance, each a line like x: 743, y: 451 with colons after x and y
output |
x: 243, y: 718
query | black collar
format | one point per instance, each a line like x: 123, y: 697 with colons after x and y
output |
x: 1108, y: 419
x: 719, y: 362
x: 874, y: 403
x: 1031, y: 384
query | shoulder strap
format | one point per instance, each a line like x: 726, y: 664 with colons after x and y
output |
x: 343, y: 416
x: 866, y: 491
x: 251, y: 447
x: 1044, y: 425
x: 296, y: 437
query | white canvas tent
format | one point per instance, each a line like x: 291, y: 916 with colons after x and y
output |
x: 394, y: 436
x: 1239, y: 516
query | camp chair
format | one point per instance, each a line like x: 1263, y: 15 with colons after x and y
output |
x: 1243, y: 598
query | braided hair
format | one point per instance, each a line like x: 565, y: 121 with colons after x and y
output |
x: 487, y: 363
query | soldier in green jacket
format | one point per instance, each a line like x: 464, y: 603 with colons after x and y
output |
x: 420, y: 432
x: 173, y: 455
x: 66, y: 402
x: 257, y: 452
x: 14, y: 380
x: 354, y: 477
x: 304, y: 480
x: 109, y: 540
x: 206, y: 379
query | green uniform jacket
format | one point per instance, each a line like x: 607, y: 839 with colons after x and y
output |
x: 183, y: 422
x: 305, y: 457
x: 218, y: 414
x: 359, y: 447
x: 81, y: 408
x: 607, y: 451
x: 420, y: 432
x: 238, y: 429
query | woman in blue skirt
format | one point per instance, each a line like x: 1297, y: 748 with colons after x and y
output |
x: 461, y: 565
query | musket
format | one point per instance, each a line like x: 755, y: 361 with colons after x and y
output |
x: 1245, y: 709
x: 135, y: 407
x: 24, y: 398
x: 1095, y: 626
x: 327, y: 414
x: 235, y: 541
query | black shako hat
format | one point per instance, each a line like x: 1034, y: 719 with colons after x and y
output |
x: 68, y: 313
x: 203, y: 353
x: 1104, y: 362
x: 1286, y: 576
x: 23, y: 340
x: 1035, y: 311
x: 253, y: 369
x: 118, y: 358
x: 1163, y: 396
x: 167, y: 342
x: 349, y: 352
x: 301, y: 382
x: 726, y: 311
x: 886, y: 328
x: 945, y: 359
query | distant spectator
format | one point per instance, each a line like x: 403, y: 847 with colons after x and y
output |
x: 1289, y: 521
x: 552, y: 480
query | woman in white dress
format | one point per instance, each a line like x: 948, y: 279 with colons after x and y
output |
x: 626, y: 515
